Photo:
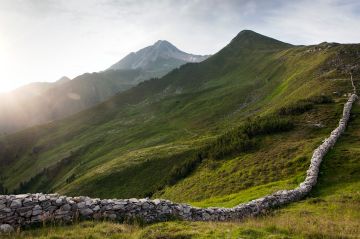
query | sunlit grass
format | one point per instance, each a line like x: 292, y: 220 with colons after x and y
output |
x: 331, y: 211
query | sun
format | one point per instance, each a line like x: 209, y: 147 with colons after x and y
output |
x: 7, y: 83
x: 8, y: 68
x: 6, y: 86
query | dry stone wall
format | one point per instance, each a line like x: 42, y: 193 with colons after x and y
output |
x: 29, y: 209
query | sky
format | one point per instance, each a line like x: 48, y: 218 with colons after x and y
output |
x: 43, y: 40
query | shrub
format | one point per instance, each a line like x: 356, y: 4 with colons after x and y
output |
x: 302, y: 106
x: 185, y: 168
x: 266, y: 125
x: 71, y: 178
x: 297, y: 108
x: 243, y: 139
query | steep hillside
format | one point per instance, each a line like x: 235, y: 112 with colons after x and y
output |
x: 331, y: 211
x: 178, y: 137
x: 39, y: 103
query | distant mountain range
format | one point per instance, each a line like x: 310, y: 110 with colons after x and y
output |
x: 41, y: 102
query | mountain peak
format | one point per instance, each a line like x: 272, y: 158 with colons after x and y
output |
x: 251, y: 39
x: 248, y: 32
x: 162, y: 42
x: 63, y: 79
x: 163, y: 45
x: 161, y: 55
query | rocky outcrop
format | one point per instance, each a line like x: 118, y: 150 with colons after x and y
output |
x: 28, y: 209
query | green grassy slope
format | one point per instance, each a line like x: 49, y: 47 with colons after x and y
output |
x: 330, y: 211
x: 130, y: 145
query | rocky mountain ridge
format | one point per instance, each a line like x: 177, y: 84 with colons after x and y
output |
x: 155, y: 54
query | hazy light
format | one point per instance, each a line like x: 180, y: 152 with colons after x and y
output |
x: 7, y: 67
x: 43, y: 40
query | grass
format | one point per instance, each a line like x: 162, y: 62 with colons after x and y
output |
x: 235, y: 141
x: 332, y: 210
x: 279, y: 160
x: 168, y: 230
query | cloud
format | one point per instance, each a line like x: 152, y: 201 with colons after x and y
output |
x: 311, y: 22
x: 50, y: 38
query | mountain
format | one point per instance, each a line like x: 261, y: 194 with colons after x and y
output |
x: 63, y: 80
x: 35, y: 89
x: 39, y: 103
x: 157, y: 60
x: 238, y: 126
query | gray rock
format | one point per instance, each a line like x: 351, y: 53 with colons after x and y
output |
x: 88, y: 202
x: 186, y: 209
x: 28, y: 202
x: 42, y: 198
x: 24, y: 209
x: 66, y: 207
x: 145, y: 205
x: 86, y: 212
x: 16, y: 203
x: 156, y: 201
x: 61, y: 212
x: 21, y: 196
x: 36, y: 212
x: 45, y: 204
x: 81, y: 205
x: 118, y: 207
x: 36, y: 218
x: 59, y: 202
x: 6, y: 228
x: 6, y: 210
x: 206, y: 216
x: 96, y: 208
